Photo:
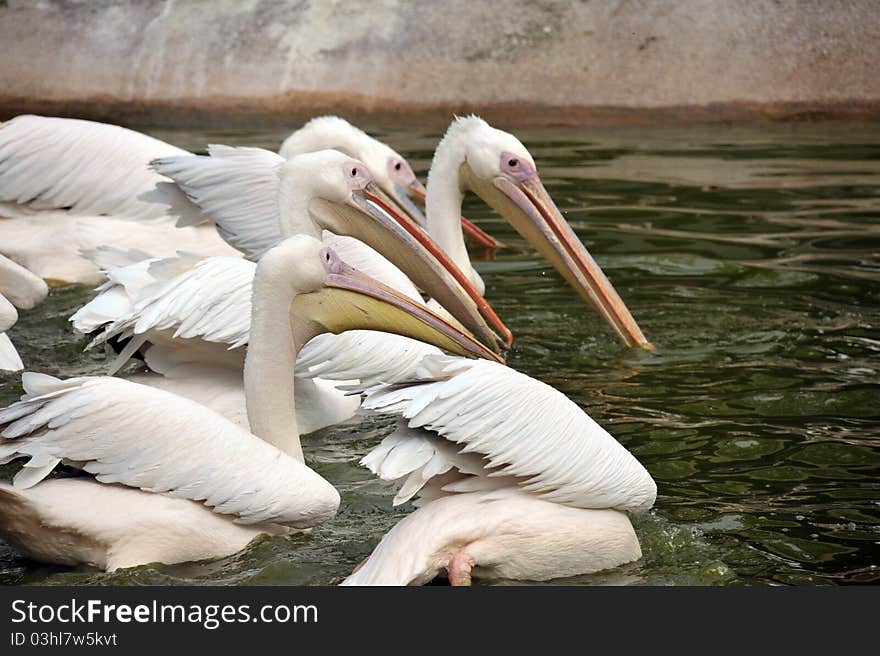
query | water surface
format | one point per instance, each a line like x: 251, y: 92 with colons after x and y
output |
x: 751, y: 258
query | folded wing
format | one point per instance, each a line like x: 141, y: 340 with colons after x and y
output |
x: 145, y: 438
x: 86, y: 168
x: 520, y: 428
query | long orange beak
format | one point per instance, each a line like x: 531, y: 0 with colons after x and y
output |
x: 541, y: 223
x: 483, y: 240
x: 529, y: 209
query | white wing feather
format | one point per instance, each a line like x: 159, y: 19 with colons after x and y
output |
x: 426, y: 464
x: 237, y: 188
x: 146, y: 438
x: 522, y: 428
x: 126, y: 284
x: 366, y: 355
x: 211, y: 300
x: 86, y: 168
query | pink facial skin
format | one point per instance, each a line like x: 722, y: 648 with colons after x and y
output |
x: 400, y: 171
x: 517, y: 168
x: 331, y: 261
x: 357, y: 175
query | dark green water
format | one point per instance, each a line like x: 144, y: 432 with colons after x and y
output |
x: 749, y: 256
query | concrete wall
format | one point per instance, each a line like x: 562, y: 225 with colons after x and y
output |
x: 525, y: 60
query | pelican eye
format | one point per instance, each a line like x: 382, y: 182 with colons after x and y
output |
x: 512, y: 163
x: 397, y: 166
x: 354, y: 173
x: 331, y: 261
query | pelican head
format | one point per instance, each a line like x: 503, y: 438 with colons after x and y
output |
x: 497, y: 167
x: 338, y: 194
x: 391, y: 172
x: 395, y: 180
x: 331, y: 296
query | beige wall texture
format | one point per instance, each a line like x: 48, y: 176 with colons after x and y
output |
x: 524, y: 60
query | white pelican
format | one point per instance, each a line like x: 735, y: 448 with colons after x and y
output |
x: 513, y: 480
x: 493, y: 164
x: 185, y: 313
x: 68, y: 187
x: 392, y: 173
x: 19, y: 288
x: 173, y: 481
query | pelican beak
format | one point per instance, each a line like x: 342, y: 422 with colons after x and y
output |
x: 369, y: 216
x: 529, y: 208
x: 398, y: 198
x: 351, y: 300
x: 417, y: 190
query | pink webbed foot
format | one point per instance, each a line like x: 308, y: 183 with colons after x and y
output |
x: 459, y: 568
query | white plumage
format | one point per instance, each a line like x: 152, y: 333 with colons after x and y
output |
x: 498, y: 534
x: 521, y: 428
x: 75, y: 521
x: 86, y: 168
x: 69, y: 187
x: 208, y: 299
x: 507, y: 471
x: 125, y: 433
x: 211, y: 300
x: 128, y: 435
x: 237, y: 188
x: 363, y: 355
x: 185, y: 314
x: 173, y: 481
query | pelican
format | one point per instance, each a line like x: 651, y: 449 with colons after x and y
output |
x: 68, y: 187
x: 392, y: 173
x: 170, y: 480
x: 185, y: 313
x: 19, y: 288
x: 512, y: 479
x: 497, y: 167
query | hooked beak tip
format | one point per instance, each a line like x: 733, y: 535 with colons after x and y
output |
x: 417, y: 190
